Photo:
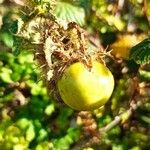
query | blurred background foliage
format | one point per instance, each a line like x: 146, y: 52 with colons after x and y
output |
x: 31, y: 119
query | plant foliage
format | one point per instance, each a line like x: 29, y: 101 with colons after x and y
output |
x: 141, y: 52
x: 30, y: 119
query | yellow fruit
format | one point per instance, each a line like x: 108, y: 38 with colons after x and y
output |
x: 84, y: 89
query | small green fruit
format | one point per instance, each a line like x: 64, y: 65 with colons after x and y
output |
x: 84, y: 89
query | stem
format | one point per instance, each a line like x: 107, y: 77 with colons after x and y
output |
x: 112, y: 124
x: 88, y: 141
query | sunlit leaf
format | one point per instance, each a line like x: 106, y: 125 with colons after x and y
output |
x: 30, y: 133
x: 70, y: 13
x: 144, y: 75
x: 7, y: 38
x: 5, y: 75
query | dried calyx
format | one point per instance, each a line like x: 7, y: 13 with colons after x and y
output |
x: 56, y: 46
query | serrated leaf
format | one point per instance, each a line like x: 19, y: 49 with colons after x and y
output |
x: 140, y: 53
x: 70, y: 13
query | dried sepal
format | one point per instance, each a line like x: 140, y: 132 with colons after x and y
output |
x: 56, y: 47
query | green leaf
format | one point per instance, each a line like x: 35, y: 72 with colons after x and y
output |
x: 5, y: 75
x: 117, y: 147
x: 146, y: 119
x: 7, y: 38
x: 17, y: 45
x: 43, y: 134
x: 20, y: 44
x: 49, y: 109
x: 70, y: 13
x: 23, y: 123
x: 13, y: 27
x: 144, y: 75
x: 30, y: 133
x: 9, y: 25
x: 140, y: 53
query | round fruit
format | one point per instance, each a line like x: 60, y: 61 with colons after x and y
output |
x: 86, y: 89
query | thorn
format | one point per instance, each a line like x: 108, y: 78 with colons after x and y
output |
x: 42, y: 66
x: 38, y: 53
x: 41, y: 77
x: 37, y: 43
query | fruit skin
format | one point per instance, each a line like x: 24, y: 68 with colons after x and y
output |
x: 84, y: 89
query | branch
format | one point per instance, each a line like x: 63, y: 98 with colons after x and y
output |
x: 112, y: 124
x: 88, y: 141
x: 120, y: 119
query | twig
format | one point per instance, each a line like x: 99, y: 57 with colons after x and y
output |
x: 112, y: 124
x: 88, y: 141
x: 120, y: 7
x: 122, y: 118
